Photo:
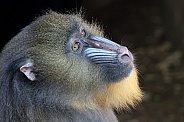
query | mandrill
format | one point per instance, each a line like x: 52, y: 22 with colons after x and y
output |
x: 60, y: 68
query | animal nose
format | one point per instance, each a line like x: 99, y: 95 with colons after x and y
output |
x: 125, y: 55
x: 123, y: 50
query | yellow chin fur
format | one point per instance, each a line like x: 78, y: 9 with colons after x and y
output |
x: 121, y: 94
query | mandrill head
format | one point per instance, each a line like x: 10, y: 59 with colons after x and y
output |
x: 62, y: 60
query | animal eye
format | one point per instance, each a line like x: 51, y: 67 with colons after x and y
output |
x: 83, y: 33
x: 75, y: 46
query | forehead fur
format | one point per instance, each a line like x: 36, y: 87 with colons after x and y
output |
x: 69, y: 21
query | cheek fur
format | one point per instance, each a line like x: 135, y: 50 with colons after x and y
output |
x: 121, y: 94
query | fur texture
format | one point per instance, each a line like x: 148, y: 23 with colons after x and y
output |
x: 67, y: 87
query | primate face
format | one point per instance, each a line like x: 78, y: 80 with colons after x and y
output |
x: 116, y: 61
x: 60, y: 68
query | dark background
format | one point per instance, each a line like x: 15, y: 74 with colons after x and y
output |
x: 152, y: 29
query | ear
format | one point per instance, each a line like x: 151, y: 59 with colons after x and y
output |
x: 27, y: 69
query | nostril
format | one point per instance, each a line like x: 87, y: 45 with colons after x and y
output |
x: 124, y: 58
